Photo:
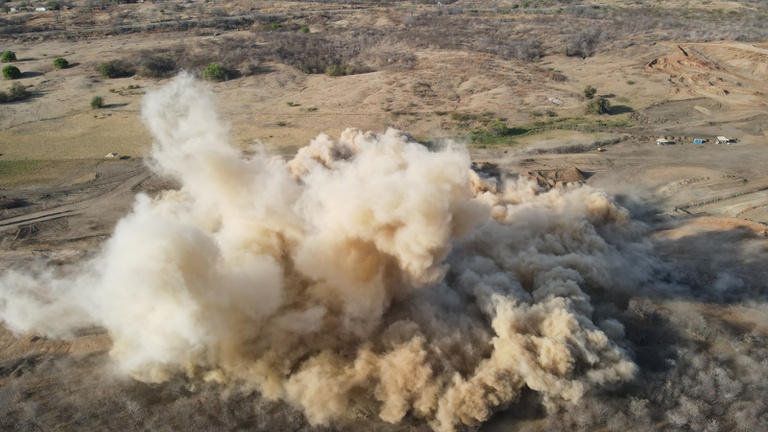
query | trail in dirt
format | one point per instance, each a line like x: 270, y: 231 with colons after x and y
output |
x: 114, y: 193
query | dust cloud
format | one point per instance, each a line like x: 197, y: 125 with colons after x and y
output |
x: 368, y: 272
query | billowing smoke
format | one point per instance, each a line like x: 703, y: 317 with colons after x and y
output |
x: 369, y: 271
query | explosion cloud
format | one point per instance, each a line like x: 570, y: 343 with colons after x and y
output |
x: 368, y: 271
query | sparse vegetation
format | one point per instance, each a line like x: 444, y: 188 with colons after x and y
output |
x: 60, y: 63
x: 108, y: 70
x: 11, y: 72
x: 340, y: 70
x: 97, y: 102
x: 585, y: 43
x: 589, y: 92
x: 8, y: 56
x: 599, y: 106
x: 17, y: 92
x: 156, y: 67
x: 115, y: 69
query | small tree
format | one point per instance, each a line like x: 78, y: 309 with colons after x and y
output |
x: 60, y: 63
x: 8, y: 56
x: 97, y: 102
x: 215, y: 72
x: 589, y: 92
x: 599, y: 106
x: 11, y: 72
x: 108, y: 70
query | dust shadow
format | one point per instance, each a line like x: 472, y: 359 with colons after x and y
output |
x: 30, y: 74
x: 721, y: 266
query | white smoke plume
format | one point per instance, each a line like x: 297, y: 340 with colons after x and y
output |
x: 368, y: 271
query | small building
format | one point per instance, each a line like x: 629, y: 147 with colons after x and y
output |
x: 664, y: 141
x: 724, y: 140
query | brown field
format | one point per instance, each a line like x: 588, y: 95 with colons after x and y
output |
x: 450, y: 73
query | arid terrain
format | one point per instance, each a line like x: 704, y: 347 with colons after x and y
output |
x: 503, y: 79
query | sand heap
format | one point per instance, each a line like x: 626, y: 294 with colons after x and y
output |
x: 558, y: 177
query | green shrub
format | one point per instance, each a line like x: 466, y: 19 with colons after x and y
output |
x: 599, y: 106
x: 305, y: 29
x: 156, y: 67
x: 589, y: 92
x: 60, y: 63
x: 97, y: 102
x: 340, y: 70
x: 108, y: 70
x: 115, y: 69
x: 11, y: 72
x: 215, y: 72
x: 8, y: 56
x: 275, y: 26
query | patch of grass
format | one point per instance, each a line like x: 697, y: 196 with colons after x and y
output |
x: 463, y: 117
x: 12, y: 169
x: 499, y: 134
x: 15, y: 173
x: 402, y: 113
